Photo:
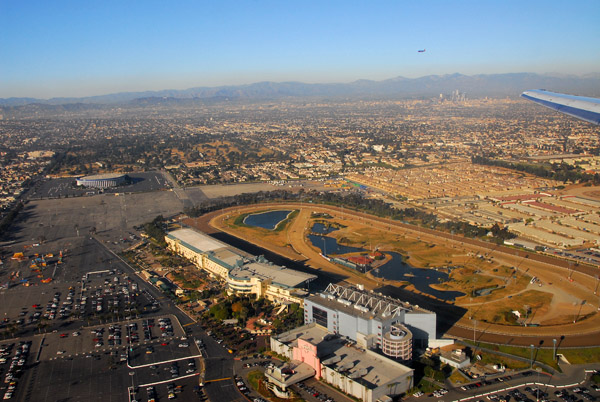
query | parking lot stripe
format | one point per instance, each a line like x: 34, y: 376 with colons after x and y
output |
x: 163, y: 362
x: 169, y: 380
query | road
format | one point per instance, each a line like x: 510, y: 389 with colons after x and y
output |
x: 218, y: 363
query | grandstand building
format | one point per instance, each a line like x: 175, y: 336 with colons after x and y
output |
x: 103, y: 180
x: 242, y: 272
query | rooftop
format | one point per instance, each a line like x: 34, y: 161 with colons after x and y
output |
x: 199, y: 241
x: 363, y: 366
x: 103, y: 176
x: 241, y: 265
x: 364, y: 303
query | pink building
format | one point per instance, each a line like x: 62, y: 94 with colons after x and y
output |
x: 306, y: 352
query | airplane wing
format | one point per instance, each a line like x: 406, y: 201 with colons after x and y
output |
x: 581, y: 107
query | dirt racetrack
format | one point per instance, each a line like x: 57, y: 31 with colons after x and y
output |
x: 452, y: 319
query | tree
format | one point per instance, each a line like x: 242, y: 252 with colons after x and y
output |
x: 236, y: 307
x: 220, y: 311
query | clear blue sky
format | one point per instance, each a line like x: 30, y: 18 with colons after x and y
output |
x: 51, y: 48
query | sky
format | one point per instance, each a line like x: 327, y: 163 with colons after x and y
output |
x: 83, y: 48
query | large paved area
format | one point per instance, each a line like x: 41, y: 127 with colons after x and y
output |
x: 66, y: 187
x: 81, y: 311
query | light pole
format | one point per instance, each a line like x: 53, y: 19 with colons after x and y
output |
x: 531, y: 358
x: 554, y: 349
x: 132, y: 393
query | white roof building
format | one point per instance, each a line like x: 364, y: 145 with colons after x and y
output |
x: 244, y: 273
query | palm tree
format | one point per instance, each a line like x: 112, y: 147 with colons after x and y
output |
x: 13, y: 328
x: 43, y: 323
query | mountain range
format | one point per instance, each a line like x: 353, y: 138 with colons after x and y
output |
x: 474, y: 86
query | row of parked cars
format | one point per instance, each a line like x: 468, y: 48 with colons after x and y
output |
x: 486, y: 382
x: 239, y: 382
x: 55, y: 307
x: 320, y: 396
x: 263, y: 363
x: 440, y: 392
x: 165, y: 326
x: 16, y: 367
x: 582, y: 392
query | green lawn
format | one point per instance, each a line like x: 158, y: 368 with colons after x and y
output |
x: 574, y: 356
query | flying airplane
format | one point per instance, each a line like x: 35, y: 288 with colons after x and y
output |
x: 422, y: 50
x: 581, y: 107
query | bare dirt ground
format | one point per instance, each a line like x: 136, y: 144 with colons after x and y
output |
x: 583, y: 191
x: 566, y: 303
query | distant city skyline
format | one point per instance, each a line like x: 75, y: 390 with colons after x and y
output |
x: 73, y: 49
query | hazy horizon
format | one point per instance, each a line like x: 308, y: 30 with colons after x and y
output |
x: 72, y: 49
x: 117, y: 92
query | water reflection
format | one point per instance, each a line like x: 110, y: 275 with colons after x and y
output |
x: 322, y: 229
x: 267, y: 220
x: 421, y: 278
x: 329, y: 245
x: 394, y: 269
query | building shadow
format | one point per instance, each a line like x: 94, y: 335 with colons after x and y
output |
x: 323, y: 278
x: 447, y: 314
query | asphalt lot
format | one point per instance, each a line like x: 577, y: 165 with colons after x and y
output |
x: 55, y: 305
x: 527, y: 385
x: 67, y: 363
x: 141, y: 182
x: 84, y: 371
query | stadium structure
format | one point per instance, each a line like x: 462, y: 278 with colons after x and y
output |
x: 103, y: 180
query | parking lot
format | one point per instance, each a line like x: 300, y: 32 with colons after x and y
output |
x: 544, y: 394
x: 118, y: 336
x: 60, y: 365
x: 60, y: 188
x: 74, y: 300
x: 36, y: 306
x: 526, y: 386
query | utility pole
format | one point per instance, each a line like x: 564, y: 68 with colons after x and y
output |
x: 531, y: 358
x: 537, y: 398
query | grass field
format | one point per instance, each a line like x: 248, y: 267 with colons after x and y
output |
x: 543, y: 355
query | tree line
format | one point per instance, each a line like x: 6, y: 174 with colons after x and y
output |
x: 355, y: 201
x: 555, y: 171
